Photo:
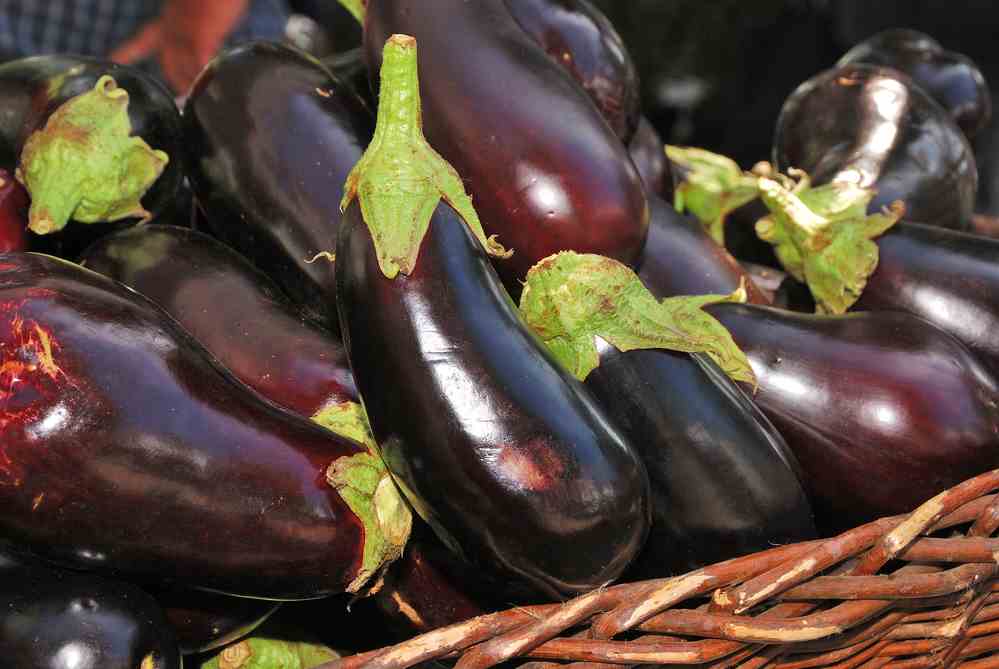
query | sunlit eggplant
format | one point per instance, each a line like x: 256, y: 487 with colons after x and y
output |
x: 271, y: 136
x: 952, y: 79
x: 126, y: 447
x: 872, y: 127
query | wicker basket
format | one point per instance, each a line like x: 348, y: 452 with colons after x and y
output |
x: 886, y: 594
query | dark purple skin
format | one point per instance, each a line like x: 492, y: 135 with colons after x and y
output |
x: 544, y: 169
x: 127, y: 448
x: 647, y: 151
x: 883, y: 410
x: 723, y: 481
x: 876, y: 123
x: 577, y: 36
x: 949, y: 278
x: 501, y: 446
x: 204, y: 621
x: 349, y: 67
x: 271, y: 137
x: 235, y: 311
x: 52, y: 619
x: 680, y: 258
x: 13, y: 214
x: 952, y: 79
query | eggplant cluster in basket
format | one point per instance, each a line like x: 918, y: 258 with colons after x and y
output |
x: 471, y: 341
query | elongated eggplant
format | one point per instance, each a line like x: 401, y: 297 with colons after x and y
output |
x: 126, y: 447
x: 545, y: 170
x: 872, y: 127
x: 646, y: 149
x: 33, y: 89
x: 952, y: 79
x: 235, y: 311
x: 13, y: 214
x: 52, y: 618
x: 577, y: 36
x: 271, y: 137
x: 204, y: 621
x: 881, y: 409
x: 680, y: 258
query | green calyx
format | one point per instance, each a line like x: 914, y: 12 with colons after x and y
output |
x: 357, y: 8
x: 570, y: 299
x: 267, y: 653
x: 366, y: 486
x: 823, y: 236
x: 400, y: 179
x: 713, y: 186
x: 85, y: 165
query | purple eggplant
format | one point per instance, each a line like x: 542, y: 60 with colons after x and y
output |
x: 646, y: 149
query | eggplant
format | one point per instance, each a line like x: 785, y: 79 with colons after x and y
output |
x: 52, y: 619
x: 32, y: 89
x: 646, y: 149
x: 204, y: 621
x: 544, y: 169
x: 578, y: 37
x: 13, y: 214
x: 127, y: 448
x: 950, y: 78
x: 236, y: 312
x: 271, y: 136
x: 350, y: 68
x: 882, y: 410
x: 680, y: 258
x: 874, y: 128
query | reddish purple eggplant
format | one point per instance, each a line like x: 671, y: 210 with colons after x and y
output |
x: 646, y: 149
x: 271, y: 136
x: 32, y: 90
x: 126, y: 447
x: 577, y: 36
x: 13, y: 214
x: 952, y: 79
x: 54, y: 619
x: 872, y: 127
x: 544, y: 169
x: 235, y: 311
x: 680, y: 258
x: 882, y: 410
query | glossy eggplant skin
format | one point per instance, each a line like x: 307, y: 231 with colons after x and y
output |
x: 50, y: 619
x: 949, y: 278
x: 680, y: 258
x: 234, y: 310
x: 873, y: 126
x: 271, y: 137
x: 13, y: 214
x: 883, y: 410
x: 127, y: 448
x: 647, y: 151
x: 499, y: 445
x: 723, y: 481
x: 204, y: 621
x: 32, y: 88
x: 952, y: 79
x: 577, y: 36
x: 545, y: 171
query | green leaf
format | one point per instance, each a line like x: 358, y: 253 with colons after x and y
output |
x: 365, y: 484
x: 570, y: 299
x: 713, y: 186
x: 824, y: 237
x: 85, y: 165
x: 268, y: 653
x: 357, y: 8
x: 400, y: 179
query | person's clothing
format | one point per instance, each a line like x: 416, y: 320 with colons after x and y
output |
x: 96, y: 27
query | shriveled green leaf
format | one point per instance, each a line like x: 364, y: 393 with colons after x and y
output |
x: 268, y: 653
x: 570, y: 299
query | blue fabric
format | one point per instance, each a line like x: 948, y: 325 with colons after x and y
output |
x: 95, y: 27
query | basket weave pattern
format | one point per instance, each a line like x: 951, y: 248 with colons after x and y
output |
x: 883, y: 595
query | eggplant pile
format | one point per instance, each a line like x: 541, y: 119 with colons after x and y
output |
x: 456, y: 330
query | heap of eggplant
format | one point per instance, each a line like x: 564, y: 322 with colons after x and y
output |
x: 459, y: 345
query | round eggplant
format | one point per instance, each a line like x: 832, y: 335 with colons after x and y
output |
x: 13, y: 214
x: 271, y: 136
x: 873, y: 127
x: 646, y: 149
